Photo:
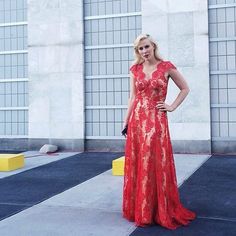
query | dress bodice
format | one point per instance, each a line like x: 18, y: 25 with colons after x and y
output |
x: 155, y: 87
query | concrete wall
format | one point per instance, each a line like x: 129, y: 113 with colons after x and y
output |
x: 181, y: 30
x: 56, y: 82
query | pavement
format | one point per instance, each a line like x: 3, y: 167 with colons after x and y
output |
x: 86, y: 204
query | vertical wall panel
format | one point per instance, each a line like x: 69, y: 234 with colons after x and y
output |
x: 222, y: 25
x: 110, y: 29
x: 13, y: 68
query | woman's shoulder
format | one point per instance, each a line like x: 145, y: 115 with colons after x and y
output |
x: 134, y: 68
x: 167, y: 65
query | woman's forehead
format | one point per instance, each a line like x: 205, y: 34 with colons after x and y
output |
x: 144, y: 42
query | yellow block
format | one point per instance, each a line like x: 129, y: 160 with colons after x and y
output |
x: 10, y: 162
x: 118, y: 166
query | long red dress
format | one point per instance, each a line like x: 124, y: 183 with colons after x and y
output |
x: 150, y: 193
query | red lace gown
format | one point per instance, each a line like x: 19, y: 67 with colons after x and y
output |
x: 150, y: 193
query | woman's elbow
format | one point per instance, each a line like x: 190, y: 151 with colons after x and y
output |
x: 187, y: 90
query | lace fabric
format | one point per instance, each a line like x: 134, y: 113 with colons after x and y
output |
x: 150, y: 193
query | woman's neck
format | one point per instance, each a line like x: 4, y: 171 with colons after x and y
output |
x: 151, y: 62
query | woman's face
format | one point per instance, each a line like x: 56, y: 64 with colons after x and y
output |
x: 146, y: 49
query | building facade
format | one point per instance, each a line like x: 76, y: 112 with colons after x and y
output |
x: 64, y: 71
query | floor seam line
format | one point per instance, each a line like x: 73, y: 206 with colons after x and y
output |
x: 217, y: 218
x: 79, y: 207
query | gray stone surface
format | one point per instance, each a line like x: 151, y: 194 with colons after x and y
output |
x: 24, y: 144
x: 63, y: 144
x: 224, y: 147
x: 79, y: 145
x: 187, y: 164
x: 192, y: 146
x: 17, y: 144
x: 105, y: 145
x: 179, y: 146
x: 62, y: 221
x: 56, y: 77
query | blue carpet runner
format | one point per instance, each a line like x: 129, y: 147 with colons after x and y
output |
x: 23, y: 190
x: 211, y: 193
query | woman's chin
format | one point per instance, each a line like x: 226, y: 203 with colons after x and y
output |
x: 145, y: 58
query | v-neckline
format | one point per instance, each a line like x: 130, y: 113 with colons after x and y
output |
x: 151, y: 74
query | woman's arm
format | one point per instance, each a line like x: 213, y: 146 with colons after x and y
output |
x: 131, y: 99
x: 184, y: 90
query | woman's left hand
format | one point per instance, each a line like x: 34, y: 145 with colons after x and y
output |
x: 164, y: 107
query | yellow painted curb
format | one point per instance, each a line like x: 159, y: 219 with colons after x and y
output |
x: 10, y: 162
x: 118, y: 166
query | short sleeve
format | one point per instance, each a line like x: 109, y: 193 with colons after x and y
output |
x: 133, y: 69
x: 169, y: 65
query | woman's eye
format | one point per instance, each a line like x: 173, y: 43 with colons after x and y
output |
x: 141, y: 48
x: 147, y: 46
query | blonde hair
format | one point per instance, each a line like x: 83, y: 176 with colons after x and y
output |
x: 137, y: 58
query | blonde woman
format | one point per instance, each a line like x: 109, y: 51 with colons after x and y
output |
x: 150, y: 193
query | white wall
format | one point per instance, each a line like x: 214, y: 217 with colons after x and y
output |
x: 55, y: 39
x: 181, y: 30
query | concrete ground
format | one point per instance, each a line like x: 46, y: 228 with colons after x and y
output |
x: 90, y: 208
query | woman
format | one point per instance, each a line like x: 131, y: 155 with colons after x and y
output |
x: 150, y: 193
